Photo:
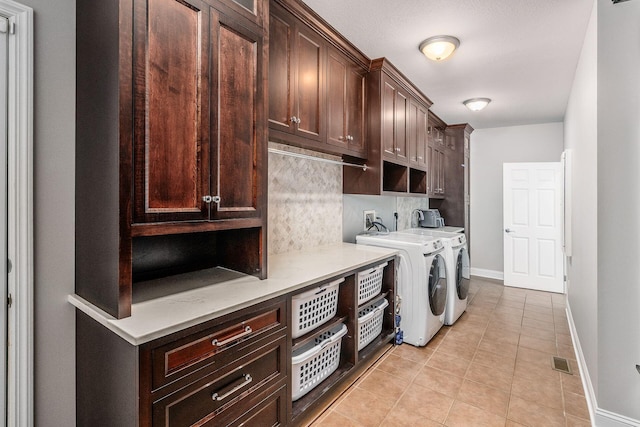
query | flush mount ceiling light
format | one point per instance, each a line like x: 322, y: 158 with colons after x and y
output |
x: 476, y: 104
x: 438, y: 48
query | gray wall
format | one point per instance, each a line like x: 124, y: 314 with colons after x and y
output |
x: 581, y: 139
x: 619, y: 207
x: 54, y: 154
x: 385, y: 207
x: 490, y: 148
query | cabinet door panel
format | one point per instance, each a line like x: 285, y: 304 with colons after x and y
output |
x: 401, y: 124
x: 308, y: 84
x: 280, y: 85
x: 412, y: 134
x: 336, y: 92
x: 355, y: 108
x: 238, y: 118
x: 388, y: 108
x: 171, y: 72
x: 421, y: 136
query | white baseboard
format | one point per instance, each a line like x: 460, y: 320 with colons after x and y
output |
x: 599, y: 417
x: 489, y: 274
x: 605, y: 418
x: 587, y: 385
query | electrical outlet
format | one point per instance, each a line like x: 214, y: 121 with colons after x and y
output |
x: 368, y: 218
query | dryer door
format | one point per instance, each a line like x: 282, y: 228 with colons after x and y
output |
x: 437, y: 285
x: 462, y: 273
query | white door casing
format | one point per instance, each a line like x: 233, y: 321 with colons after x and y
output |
x: 4, y: 50
x: 19, y: 220
x: 533, y: 215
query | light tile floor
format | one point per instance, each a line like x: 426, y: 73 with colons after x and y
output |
x: 491, y: 368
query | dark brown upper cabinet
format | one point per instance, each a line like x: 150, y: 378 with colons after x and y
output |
x: 396, y: 129
x: 171, y: 142
x: 395, y: 111
x: 345, y: 103
x: 296, y: 78
x: 437, y: 160
x: 417, y: 135
x: 316, y: 83
x: 196, y: 138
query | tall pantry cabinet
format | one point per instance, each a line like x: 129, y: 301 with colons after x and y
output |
x: 171, y: 142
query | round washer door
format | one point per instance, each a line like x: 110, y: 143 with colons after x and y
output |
x: 437, y: 285
x: 462, y: 273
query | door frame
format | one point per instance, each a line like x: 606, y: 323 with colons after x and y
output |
x: 511, y: 279
x: 20, y: 213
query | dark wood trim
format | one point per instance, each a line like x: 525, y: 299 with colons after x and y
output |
x: 305, y: 14
x: 158, y: 229
x: 383, y: 64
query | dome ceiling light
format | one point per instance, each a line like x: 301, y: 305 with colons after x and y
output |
x: 476, y: 104
x: 439, y: 48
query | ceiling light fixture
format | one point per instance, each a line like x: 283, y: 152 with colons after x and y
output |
x: 476, y: 104
x: 438, y: 48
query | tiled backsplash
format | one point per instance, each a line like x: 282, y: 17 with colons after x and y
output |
x: 307, y: 207
x: 305, y: 201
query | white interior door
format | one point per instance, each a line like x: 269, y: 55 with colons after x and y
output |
x: 533, y: 214
x: 4, y: 26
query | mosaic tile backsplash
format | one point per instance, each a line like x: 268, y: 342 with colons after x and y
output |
x: 305, y: 201
x: 307, y: 207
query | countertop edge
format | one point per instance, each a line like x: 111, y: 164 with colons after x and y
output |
x: 136, y: 334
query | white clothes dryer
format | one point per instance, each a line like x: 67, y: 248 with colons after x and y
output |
x: 458, y: 269
x: 421, y: 282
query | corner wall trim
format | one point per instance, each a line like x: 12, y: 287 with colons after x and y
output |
x: 489, y: 274
x: 599, y: 417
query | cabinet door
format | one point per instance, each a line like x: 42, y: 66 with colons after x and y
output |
x: 238, y: 121
x: 280, y: 70
x: 441, y: 172
x: 412, y: 135
x: 430, y: 170
x: 388, y: 119
x: 345, y: 103
x: 355, y: 108
x: 421, y: 136
x: 336, y: 97
x: 401, y: 112
x: 309, y: 68
x: 171, y: 110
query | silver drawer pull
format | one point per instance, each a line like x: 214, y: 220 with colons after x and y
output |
x: 231, y: 388
x: 247, y: 331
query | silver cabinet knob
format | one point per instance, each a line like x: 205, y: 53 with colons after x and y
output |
x: 294, y: 119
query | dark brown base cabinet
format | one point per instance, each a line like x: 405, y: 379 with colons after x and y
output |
x: 200, y: 376
x: 230, y: 371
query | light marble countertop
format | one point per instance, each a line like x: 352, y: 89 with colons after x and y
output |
x: 287, y: 272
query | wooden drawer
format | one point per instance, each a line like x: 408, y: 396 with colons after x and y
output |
x: 220, y: 399
x: 214, y: 347
x: 271, y: 411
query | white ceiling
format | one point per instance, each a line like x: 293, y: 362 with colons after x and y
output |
x: 520, y: 53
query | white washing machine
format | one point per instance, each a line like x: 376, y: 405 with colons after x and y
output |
x: 458, y: 269
x: 421, y: 282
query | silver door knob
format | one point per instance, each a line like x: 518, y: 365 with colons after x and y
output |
x: 508, y: 230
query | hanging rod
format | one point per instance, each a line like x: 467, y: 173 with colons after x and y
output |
x: 319, y: 159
